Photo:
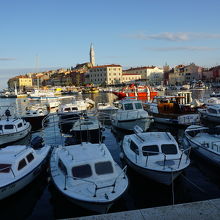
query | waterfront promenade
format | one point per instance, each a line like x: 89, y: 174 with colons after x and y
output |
x: 202, y: 210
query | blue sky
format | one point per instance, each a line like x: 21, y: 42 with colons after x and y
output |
x: 127, y: 32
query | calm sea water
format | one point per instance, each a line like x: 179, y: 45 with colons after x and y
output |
x: 40, y: 200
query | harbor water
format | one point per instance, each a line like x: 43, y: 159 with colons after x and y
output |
x: 41, y: 200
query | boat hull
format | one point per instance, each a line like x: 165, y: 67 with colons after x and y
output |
x: 12, y: 188
x: 202, y: 152
x: 211, y: 118
x: 143, y: 123
x: 101, y: 208
x: 163, y: 177
x: 182, y: 120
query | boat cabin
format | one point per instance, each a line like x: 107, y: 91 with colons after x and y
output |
x: 90, y: 163
x: 162, y: 143
x: 130, y: 105
x: 171, y: 105
x: 12, y: 125
x: 16, y: 159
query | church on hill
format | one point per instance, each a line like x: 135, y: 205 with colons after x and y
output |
x: 90, y: 64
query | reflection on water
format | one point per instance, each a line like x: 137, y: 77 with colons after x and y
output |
x: 41, y: 200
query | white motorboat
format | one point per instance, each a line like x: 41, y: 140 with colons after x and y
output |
x: 129, y: 114
x: 205, y: 142
x: 155, y: 155
x: 87, y: 129
x: 40, y: 95
x: 12, y: 128
x: 211, y: 113
x: 211, y: 101
x: 35, y: 114
x: 20, y: 165
x: 88, y: 176
x: 69, y: 113
x: 106, y: 108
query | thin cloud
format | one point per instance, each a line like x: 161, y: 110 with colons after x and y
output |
x: 6, y: 59
x: 169, y: 36
x: 182, y: 48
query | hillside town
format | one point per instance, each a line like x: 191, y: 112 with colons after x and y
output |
x: 113, y: 74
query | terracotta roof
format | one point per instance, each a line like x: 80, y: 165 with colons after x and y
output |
x: 143, y: 67
x: 125, y: 74
x: 110, y: 65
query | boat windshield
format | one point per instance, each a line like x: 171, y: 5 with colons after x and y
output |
x: 5, y: 168
x: 138, y: 105
x: 9, y: 126
x: 128, y: 106
x: 149, y: 150
x: 82, y: 171
x: 67, y: 109
x: 102, y: 168
x: 169, y: 148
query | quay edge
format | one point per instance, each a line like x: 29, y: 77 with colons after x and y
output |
x: 202, y: 210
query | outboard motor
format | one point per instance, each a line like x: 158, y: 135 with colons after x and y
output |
x: 37, y: 142
x: 8, y: 114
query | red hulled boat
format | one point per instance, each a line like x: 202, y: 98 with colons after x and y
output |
x: 141, y: 92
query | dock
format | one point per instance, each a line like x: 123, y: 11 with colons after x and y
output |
x: 202, y: 210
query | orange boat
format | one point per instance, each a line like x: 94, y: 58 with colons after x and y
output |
x: 139, y: 92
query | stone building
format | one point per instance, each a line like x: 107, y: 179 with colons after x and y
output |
x: 104, y: 75
x: 151, y: 74
x: 20, y: 82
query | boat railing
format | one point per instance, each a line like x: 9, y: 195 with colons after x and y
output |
x: 10, y: 169
x: 96, y: 186
x: 149, y: 153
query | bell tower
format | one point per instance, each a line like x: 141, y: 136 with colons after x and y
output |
x: 92, y: 55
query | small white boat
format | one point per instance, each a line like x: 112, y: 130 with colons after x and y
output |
x: 35, y: 114
x: 155, y: 155
x: 87, y: 129
x: 12, y: 128
x: 211, y: 113
x: 129, y: 114
x: 69, y: 113
x: 106, y: 108
x: 212, y: 101
x: 76, y: 105
x: 205, y: 142
x: 88, y: 176
x: 20, y: 165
